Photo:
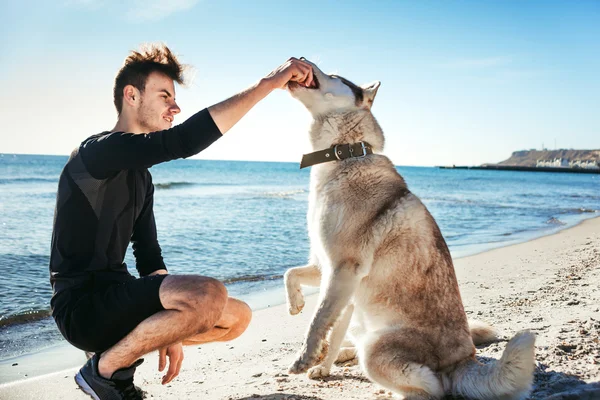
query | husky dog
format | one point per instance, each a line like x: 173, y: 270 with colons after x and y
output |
x: 384, y: 268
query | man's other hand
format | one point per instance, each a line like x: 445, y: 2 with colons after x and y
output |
x: 159, y: 272
x: 292, y: 70
x: 175, y: 354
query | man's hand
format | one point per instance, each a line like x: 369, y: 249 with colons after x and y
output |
x: 292, y: 70
x: 159, y: 272
x: 175, y: 354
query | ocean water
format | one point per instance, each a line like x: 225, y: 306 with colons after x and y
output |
x: 244, y: 223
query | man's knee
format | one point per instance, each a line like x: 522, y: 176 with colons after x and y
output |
x: 194, y: 294
x: 244, y: 316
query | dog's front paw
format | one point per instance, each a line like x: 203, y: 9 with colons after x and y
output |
x: 295, y: 301
x: 299, y: 366
x: 308, y: 359
x: 318, y: 372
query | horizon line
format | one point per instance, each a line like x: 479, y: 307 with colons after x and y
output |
x: 205, y: 159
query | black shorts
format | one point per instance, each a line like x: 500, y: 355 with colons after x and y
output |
x: 96, y: 318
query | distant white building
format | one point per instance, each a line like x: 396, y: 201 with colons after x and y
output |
x: 590, y: 164
x: 565, y: 163
x: 586, y: 164
x: 557, y: 162
x: 560, y: 162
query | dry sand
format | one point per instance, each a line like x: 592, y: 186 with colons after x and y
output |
x: 549, y: 285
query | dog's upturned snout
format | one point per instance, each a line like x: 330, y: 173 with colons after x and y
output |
x: 302, y: 59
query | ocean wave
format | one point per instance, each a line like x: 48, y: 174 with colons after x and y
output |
x: 175, y: 185
x: 580, y: 210
x: 13, y: 259
x: 516, y: 231
x: 251, y: 278
x: 448, y: 200
x: 585, y: 196
x: 285, y: 194
x: 24, y: 317
x: 5, y: 181
x: 566, y: 196
x: 455, y: 236
x: 475, y: 203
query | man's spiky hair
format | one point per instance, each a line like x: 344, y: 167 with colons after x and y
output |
x: 153, y: 57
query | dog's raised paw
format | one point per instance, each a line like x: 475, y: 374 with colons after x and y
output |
x: 295, y: 301
x: 318, y: 372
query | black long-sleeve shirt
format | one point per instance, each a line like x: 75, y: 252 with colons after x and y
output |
x: 105, y: 200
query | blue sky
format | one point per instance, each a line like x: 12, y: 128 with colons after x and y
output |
x: 463, y: 82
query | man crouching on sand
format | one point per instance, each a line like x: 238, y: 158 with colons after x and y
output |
x: 105, y: 200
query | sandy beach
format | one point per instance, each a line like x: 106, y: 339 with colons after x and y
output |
x: 549, y: 285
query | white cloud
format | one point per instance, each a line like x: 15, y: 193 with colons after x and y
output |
x: 154, y: 10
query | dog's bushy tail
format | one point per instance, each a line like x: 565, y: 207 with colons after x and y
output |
x: 510, y: 377
x: 482, y: 333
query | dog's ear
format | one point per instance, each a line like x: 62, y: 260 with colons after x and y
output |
x: 369, y: 92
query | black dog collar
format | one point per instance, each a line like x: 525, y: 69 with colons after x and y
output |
x: 336, y: 153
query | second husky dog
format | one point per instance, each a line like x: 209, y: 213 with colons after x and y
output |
x: 384, y: 267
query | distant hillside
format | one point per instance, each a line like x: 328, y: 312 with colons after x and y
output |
x: 528, y: 158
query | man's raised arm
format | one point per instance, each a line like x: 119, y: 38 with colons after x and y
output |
x: 227, y: 113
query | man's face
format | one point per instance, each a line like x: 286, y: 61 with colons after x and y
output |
x: 157, y: 107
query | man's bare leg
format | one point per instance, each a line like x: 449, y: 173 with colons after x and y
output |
x: 233, y: 322
x: 193, y: 305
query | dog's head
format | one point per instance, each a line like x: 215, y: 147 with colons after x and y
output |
x: 345, y: 107
x: 332, y: 93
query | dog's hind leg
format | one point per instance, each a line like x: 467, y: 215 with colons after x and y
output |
x: 308, y: 275
x: 336, y: 336
x: 347, y: 356
x: 397, y: 358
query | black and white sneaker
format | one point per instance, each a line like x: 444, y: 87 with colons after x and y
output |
x: 119, y: 387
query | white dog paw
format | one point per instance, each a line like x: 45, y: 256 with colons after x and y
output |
x: 295, y: 301
x: 299, y: 366
x: 318, y: 372
x: 347, y: 356
x: 309, y: 359
x: 350, y: 363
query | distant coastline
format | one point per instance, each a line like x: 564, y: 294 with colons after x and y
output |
x: 562, y: 160
x: 519, y: 168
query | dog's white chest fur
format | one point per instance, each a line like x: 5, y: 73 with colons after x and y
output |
x: 328, y: 216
